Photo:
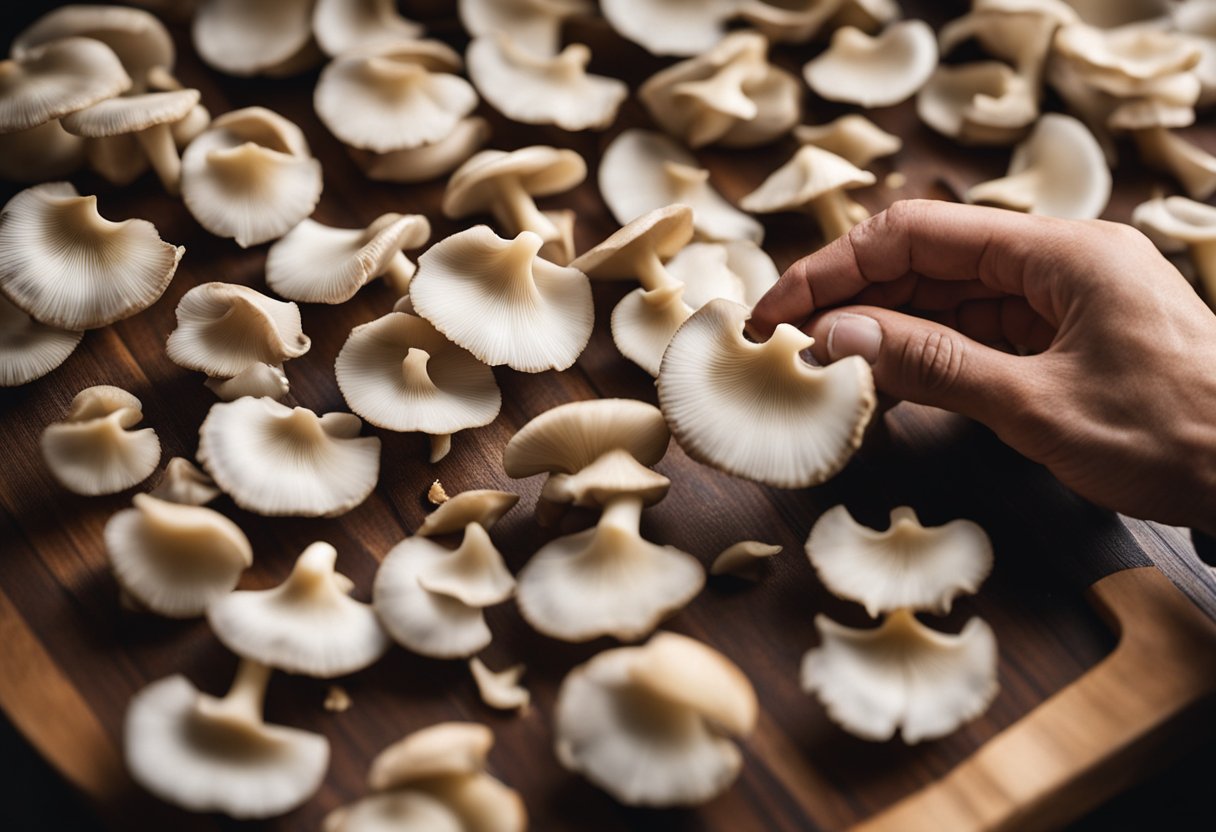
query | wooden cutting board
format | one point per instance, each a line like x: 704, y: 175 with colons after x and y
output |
x: 71, y: 657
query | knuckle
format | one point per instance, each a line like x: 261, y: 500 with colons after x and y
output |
x: 936, y: 360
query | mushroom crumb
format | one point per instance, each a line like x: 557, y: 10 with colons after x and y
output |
x: 337, y: 700
x: 436, y: 495
x: 895, y: 180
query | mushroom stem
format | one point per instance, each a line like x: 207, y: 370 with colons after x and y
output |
x: 399, y: 273
x: 571, y: 62
x: 652, y: 274
x: 304, y: 424
x: 517, y: 211
x: 1203, y: 255
x: 313, y: 574
x: 473, y: 573
x: 157, y: 143
x: 517, y: 277
x: 441, y: 444
x: 622, y: 514
x: 243, y: 702
x: 835, y: 213
x: 414, y: 372
x: 684, y: 179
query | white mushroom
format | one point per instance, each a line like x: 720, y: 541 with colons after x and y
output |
x: 500, y: 689
x: 1017, y: 31
x: 852, y: 137
x: 342, y: 25
x: 276, y: 460
x: 183, y: 483
x: 737, y: 270
x: 428, y: 161
x: 670, y: 27
x: 40, y: 153
x: 744, y: 559
x: 875, y: 71
x: 29, y: 350
x: 256, y: 380
x: 534, y: 25
x: 207, y: 754
x: 55, y: 79
x: 93, y: 451
x: 1188, y: 222
x: 982, y: 103
x: 1191, y: 165
x: 252, y: 37
x: 814, y: 180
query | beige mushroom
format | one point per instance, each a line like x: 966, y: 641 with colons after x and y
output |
x: 40, y: 153
x: 276, y: 460
x: 1109, y: 15
x: 66, y: 266
x: 981, y: 103
x: 209, y: 754
x: 1196, y: 20
x: 737, y: 270
x: 875, y: 71
x: 183, y: 483
x: 1017, y: 31
x: 652, y: 725
x: 29, y: 350
x: 483, y: 506
x: 55, y: 79
x: 758, y: 410
x: 93, y: 451
x: 255, y: 380
x: 852, y: 137
x: 789, y: 21
x: 670, y: 27
x: 175, y: 559
x: 342, y: 25
x: 1188, y: 222
x: 255, y: 37
x: 501, y: 302
x: 745, y: 559
x: 534, y: 25
x: 814, y: 180
x: 428, y: 161
x: 1191, y: 165
x: 500, y: 689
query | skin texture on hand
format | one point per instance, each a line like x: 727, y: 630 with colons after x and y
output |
x: 1075, y: 341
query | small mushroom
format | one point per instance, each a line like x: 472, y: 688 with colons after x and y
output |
x: 981, y: 103
x: 183, y: 483
x: 29, y: 350
x: 540, y: 89
x: 428, y: 161
x: 852, y: 137
x: 307, y: 624
x: 40, y: 153
x: 907, y: 566
x: 66, y: 266
x: 175, y: 559
x: 1191, y: 165
x: 744, y: 559
x: 670, y: 27
x: 875, y: 71
x: 1184, y: 221
x: 642, y: 170
x: 343, y: 25
x: 399, y: 373
x: 503, y: 303
x: 92, y: 451
x: 55, y: 79
x: 737, y: 270
x: 208, y: 754
x: 758, y: 410
x: 256, y: 380
x: 316, y: 263
x: 1059, y: 170
x: 255, y: 37
x: 902, y: 675
x: 276, y: 460
x: 500, y: 689
x: 534, y: 25
x: 652, y: 725
x: 814, y: 180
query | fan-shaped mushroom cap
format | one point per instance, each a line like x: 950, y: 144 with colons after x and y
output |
x: 316, y: 263
x: 29, y: 350
x: 250, y: 176
x: 731, y: 95
x: 814, y: 180
x: 500, y: 689
x: 428, y: 161
x: 1059, y: 171
x: 307, y: 624
x: 737, y: 270
x: 55, y: 79
x: 248, y: 37
x: 670, y: 27
x: 540, y: 89
x: 276, y: 460
x: 92, y: 451
x: 256, y: 380
x: 906, y: 566
x: 224, y: 328
x: 501, y: 302
x: 644, y: 322
x: 642, y: 170
x: 744, y: 559
x: 637, y: 250
x: 758, y: 410
x: 902, y: 675
x: 1185, y: 221
x: 66, y: 266
x: 183, y: 483
x: 534, y: 25
x: 852, y: 137
x: 175, y: 559
x: 1136, y: 52
x: 979, y: 103
x: 875, y: 71
x: 482, y: 506
x: 651, y: 725
x: 1190, y: 164
x: 442, y: 750
x: 342, y: 25
x: 40, y: 153
x: 217, y: 755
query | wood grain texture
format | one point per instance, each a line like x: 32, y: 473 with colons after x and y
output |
x: 801, y: 772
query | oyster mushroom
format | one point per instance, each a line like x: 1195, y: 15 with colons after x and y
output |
x: 399, y: 373
x: 982, y: 103
x: 875, y: 71
x: 29, y: 350
x: 40, y: 153
x: 752, y: 409
x: 852, y: 137
x: 653, y: 725
x: 175, y: 559
x: 255, y: 380
x: 93, y: 451
x: 1188, y: 222
x: 183, y: 483
x: 485, y: 507
x: 1191, y: 165
x: 789, y: 21
x: 307, y: 624
x: 744, y: 559
x: 500, y: 689
x: 342, y: 25
x: 815, y: 181
x: 276, y: 460
x: 501, y: 302
x: 534, y: 25
x: 670, y: 27
x: 1017, y: 31
x: 1196, y: 20
x: 427, y: 161
x: 55, y: 79
x: 66, y: 266
x: 737, y: 270
x: 255, y: 37
x: 209, y: 754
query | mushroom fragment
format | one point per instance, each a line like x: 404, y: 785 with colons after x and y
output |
x: 183, y: 483
x: 175, y: 559
x: 652, y: 725
x: 276, y: 460
x: 209, y: 754
x: 758, y: 410
x: 342, y: 25
x: 252, y: 37
x: 55, y: 79
x: 307, y: 624
x: 981, y: 103
x: 670, y: 27
x: 534, y: 25
x: 93, y: 451
x: 875, y: 71
x: 427, y: 161
x: 789, y: 21
x: 744, y: 559
x: 500, y: 689
x: 814, y: 180
x: 29, y: 350
x: 1188, y: 222
x: 852, y: 137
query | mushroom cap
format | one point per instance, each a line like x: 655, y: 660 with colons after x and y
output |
x: 789, y: 21
x: 626, y: 253
x: 491, y: 175
x: 429, y: 161
x: 342, y: 25
x: 256, y: 380
x: 875, y: 71
x: 224, y: 328
x: 642, y: 170
x: 316, y: 263
x: 501, y: 302
x: 905, y: 566
x: 250, y: 176
x: 534, y: 25
x: 655, y: 734
x: 445, y: 749
x: 568, y: 438
x: 534, y: 88
x: 614, y: 474
x: 1135, y: 52
x: 175, y: 559
x: 644, y: 322
x: 131, y: 113
x: 276, y: 460
x: 1059, y: 170
x: 670, y: 27
x: 1196, y: 20
x: 394, y: 96
x: 40, y: 153
x: 398, y: 372
x: 500, y: 688
x: 743, y: 559
x: 810, y: 174
x: 902, y: 675
x: 394, y: 810
x: 758, y: 410
x: 985, y: 102
x: 482, y: 506
x: 92, y: 451
x: 307, y: 624
x: 852, y: 137
x: 247, y: 37
x: 29, y: 350
x: 183, y: 483
x: 1177, y: 218
x: 66, y: 266
x: 55, y: 79
x: 737, y: 270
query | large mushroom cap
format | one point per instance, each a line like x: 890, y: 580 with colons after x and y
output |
x: 29, y: 350
x: 342, y: 25
x: 247, y: 37
x: 307, y: 624
x: 66, y: 266
x: 276, y: 460
x: 55, y: 79
x: 503, y: 303
x: 670, y: 27
x: 571, y: 436
x: 875, y: 71
x: 651, y: 725
x: 534, y: 25
x: 92, y: 451
x: 758, y: 410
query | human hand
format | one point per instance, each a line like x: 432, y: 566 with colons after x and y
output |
x: 1114, y: 389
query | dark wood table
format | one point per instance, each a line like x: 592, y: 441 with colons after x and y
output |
x: 72, y: 657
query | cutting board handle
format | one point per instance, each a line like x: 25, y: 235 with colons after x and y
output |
x: 1095, y: 736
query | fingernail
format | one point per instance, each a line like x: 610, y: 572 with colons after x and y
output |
x: 854, y: 335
